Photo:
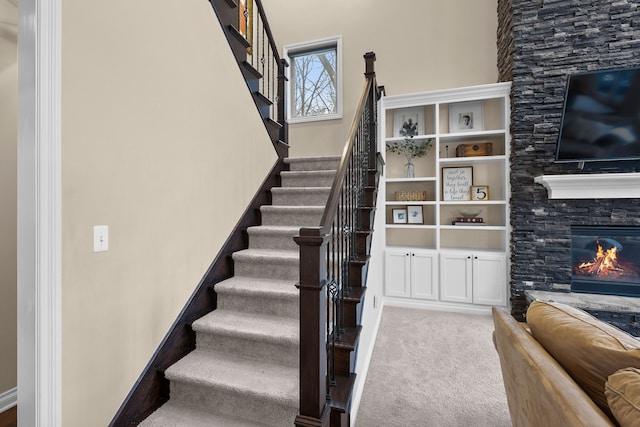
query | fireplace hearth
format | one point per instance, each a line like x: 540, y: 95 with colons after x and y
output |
x: 605, y: 260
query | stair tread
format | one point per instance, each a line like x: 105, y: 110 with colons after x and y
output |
x: 267, y: 254
x: 240, y: 375
x: 290, y: 160
x: 257, y: 286
x: 269, y: 229
x: 274, y: 329
x: 174, y: 414
x: 309, y: 173
x: 300, y: 209
x: 300, y: 189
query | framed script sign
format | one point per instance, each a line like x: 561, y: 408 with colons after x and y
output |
x: 456, y: 183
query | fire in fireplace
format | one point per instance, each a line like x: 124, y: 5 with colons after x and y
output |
x: 605, y: 260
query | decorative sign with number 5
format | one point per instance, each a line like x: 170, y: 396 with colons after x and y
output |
x: 479, y: 192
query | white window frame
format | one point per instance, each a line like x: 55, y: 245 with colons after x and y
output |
x: 293, y: 49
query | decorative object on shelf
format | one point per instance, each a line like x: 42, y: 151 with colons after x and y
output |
x: 473, y: 150
x: 414, y: 214
x: 465, y: 223
x: 411, y: 149
x: 479, y: 192
x: 469, y: 216
x: 466, y: 116
x: 408, y: 122
x: 467, y: 220
x: 399, y: 216
x: 410, y: 196
x: 456, y: 182
x: 469, y: 213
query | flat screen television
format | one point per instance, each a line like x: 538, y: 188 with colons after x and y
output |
x: 601, y: 117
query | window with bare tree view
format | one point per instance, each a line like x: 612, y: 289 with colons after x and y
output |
x: 314, y: 81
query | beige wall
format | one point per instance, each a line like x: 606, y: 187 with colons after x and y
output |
x: 421, y: 45
x: 8, y: 193
x: 161, y: 142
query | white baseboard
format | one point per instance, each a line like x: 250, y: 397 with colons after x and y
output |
x: 8, y: 399
x: 437, y: 305
x: 362, y: 372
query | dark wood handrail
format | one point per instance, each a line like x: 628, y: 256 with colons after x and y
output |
x: 334, y: 194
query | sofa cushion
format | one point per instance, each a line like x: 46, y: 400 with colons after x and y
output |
x: 588, y: 349
x: 623, y: 394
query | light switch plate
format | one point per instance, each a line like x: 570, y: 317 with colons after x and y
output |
x: 100, y: 238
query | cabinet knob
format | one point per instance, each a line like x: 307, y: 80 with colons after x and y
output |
x: 469, y: 257
x: 475, y: 257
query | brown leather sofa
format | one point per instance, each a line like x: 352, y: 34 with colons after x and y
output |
x: 539, y: 391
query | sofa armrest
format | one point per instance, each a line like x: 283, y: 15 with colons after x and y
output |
x: 539, y: 391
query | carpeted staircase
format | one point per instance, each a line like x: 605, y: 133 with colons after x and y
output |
x: 245, y: 368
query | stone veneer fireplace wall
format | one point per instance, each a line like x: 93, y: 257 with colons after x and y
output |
x: 539, y: 43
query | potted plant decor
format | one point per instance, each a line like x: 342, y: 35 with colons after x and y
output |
x: 409, y: 147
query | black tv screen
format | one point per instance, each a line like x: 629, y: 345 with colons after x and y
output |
x: 601, y: 117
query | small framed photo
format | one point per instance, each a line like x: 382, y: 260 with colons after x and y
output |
x: 399, y: 216
x: 466, y: 116
x: 414, y: 214
x: 479, y: 192
x: 408, y: 122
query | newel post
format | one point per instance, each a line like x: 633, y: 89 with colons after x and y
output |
x: 282, y: 100
x: 370, y: 74
x: 314, y: 410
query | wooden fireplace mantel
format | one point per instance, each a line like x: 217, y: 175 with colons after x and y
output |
x: 591, y: 186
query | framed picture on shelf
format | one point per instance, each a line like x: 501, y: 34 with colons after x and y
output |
x: 399, y: 216
x: 457, y: 182
x: 408, y: 122
x: 466, y: 116
x: 414, y: 214
x: 479, y: 192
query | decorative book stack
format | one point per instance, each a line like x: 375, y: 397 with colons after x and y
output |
x: 469, y: 221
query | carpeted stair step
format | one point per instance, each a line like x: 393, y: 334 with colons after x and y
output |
x: 274, y: 264
x: 301, y: 216
x: 312, y: 163
x: 173, y: 415
x: 323, y: 178
x: 232, y: 385
x: 259, y: 296
x: 271, y: 339
x: 300, y: 196
x: 273, y: 237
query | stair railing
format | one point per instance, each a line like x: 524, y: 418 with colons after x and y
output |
x: 249, y: 35
x: 327, y: 255
x: 264, y: 57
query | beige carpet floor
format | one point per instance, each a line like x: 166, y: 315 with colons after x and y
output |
x: 433, y: 368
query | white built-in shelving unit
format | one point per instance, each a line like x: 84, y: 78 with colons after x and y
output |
x: 434, y: 260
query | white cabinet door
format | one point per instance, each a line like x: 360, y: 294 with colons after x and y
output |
x: 423, y: 275
x: 397, y: 273
x: 489, y: 279
x: 455, y: 277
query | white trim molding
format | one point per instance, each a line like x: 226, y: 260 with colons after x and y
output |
x: 39, y: 213
x: 592, y: 186
x: 8, y: 399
